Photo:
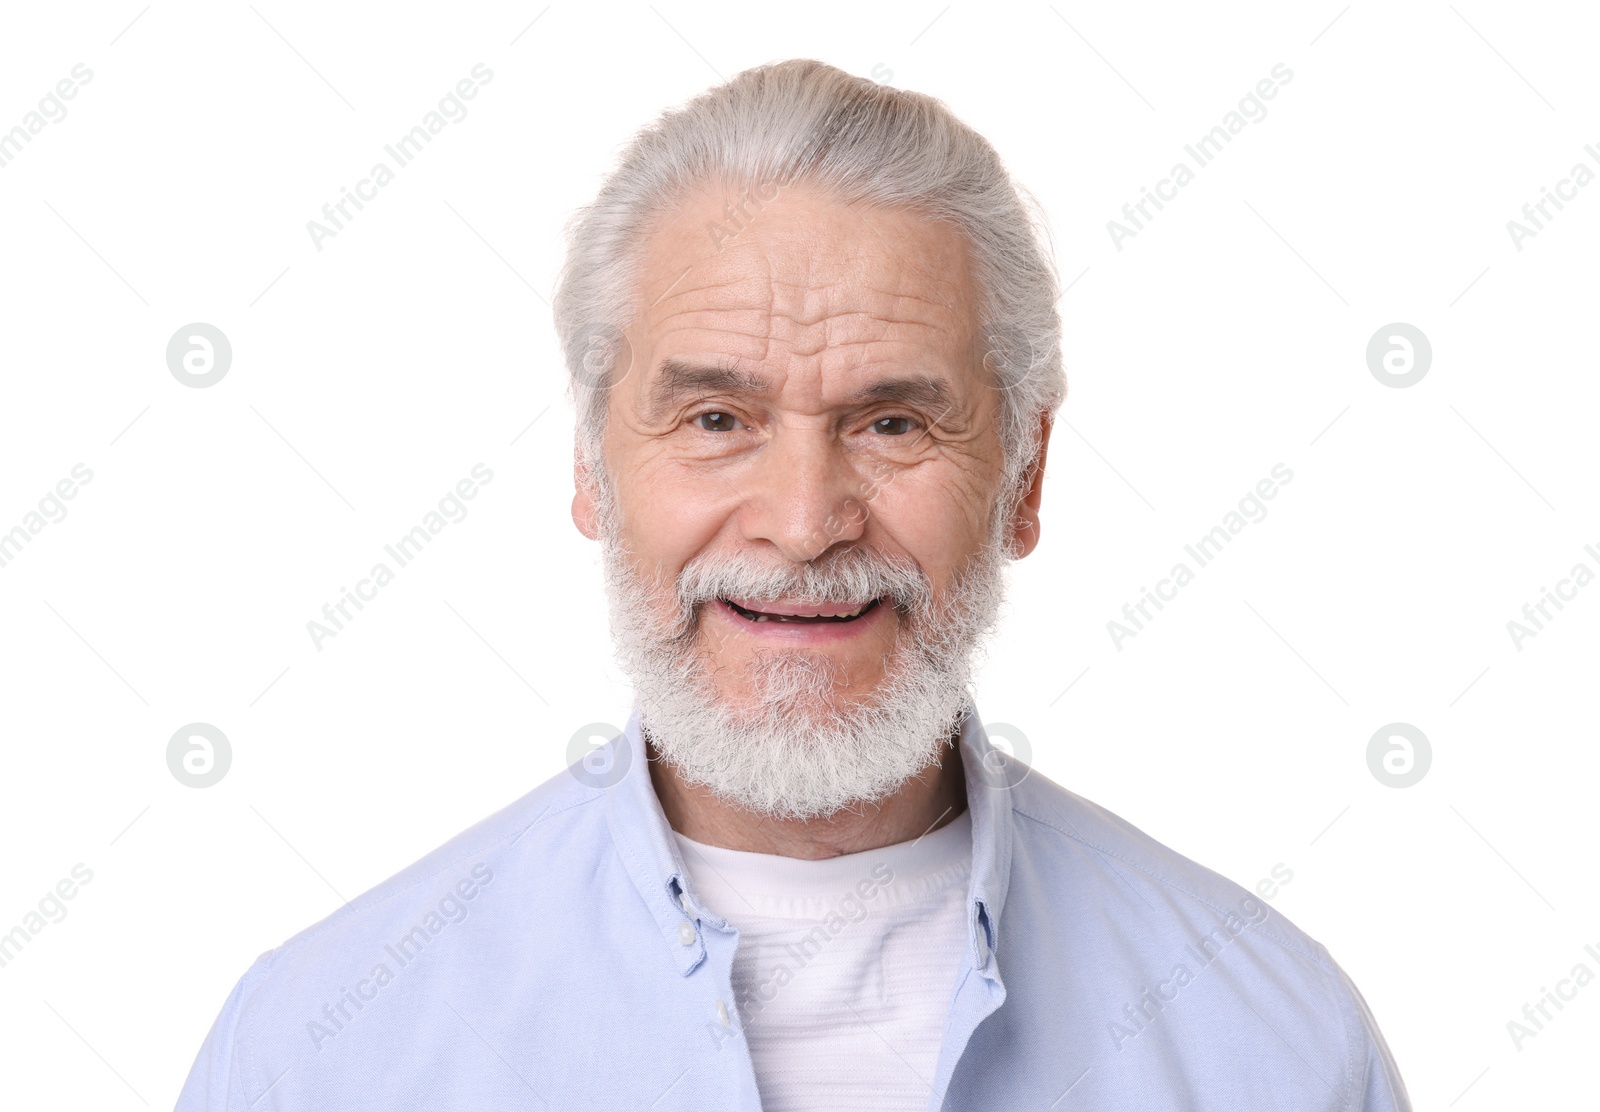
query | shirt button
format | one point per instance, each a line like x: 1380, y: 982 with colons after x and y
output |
x: 686, y: 933
x: 722, y: 1013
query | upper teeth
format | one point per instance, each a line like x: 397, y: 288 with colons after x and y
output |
x: 762, y: 617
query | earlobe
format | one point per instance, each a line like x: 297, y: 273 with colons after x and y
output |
x: 583, y: 515
x: 1025, y: 521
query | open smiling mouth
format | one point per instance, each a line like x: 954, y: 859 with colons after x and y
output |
x: 814, y: 618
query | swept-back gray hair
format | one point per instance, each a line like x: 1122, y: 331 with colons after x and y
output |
x: 803, y: 121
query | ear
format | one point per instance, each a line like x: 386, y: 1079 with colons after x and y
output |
x: 1025, y: 519
x: 583, y: 515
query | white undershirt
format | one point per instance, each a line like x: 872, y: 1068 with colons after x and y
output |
x: 845, y: 967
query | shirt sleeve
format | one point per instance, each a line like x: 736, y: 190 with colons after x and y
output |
x: 1380, y: 1089
x: 213, y: 1084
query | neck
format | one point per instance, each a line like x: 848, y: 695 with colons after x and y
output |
x: 925, y: 802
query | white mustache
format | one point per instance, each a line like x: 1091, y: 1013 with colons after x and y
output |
x: 854, y: 575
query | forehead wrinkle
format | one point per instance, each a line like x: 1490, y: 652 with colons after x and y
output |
x: 902, y: 295
x: 733, y: 283
x: 854, y: 276
x: 787, y: 286
x: 860, y: 290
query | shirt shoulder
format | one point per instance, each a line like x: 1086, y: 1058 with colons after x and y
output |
x: 1144, y: 939
x: 502, y: 843
x: 1068, y: 831
x: 303, y: 998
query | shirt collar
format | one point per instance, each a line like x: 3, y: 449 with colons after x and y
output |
x: 644, y: 841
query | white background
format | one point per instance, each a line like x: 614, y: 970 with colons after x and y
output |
x: 369, y: 377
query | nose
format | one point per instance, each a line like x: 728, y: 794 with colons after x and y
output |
x: 804, y: 494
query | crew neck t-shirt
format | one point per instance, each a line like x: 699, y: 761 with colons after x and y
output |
x: 845, y: 967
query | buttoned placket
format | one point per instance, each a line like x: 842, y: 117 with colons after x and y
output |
x: 979, y: 989
x: 700, y: 944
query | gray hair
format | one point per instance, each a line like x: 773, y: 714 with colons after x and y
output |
x: 805, y: 121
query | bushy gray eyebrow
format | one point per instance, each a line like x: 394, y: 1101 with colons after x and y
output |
x: 677, y: 379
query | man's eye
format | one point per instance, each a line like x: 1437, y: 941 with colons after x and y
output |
x: 716, y: 422
x: 892, y: 426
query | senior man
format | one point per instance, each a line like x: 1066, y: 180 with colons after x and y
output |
x: 814, y: 352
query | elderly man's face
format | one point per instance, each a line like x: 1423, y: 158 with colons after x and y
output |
x: 811, y: 392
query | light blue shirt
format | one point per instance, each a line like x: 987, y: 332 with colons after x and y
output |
x: 555, y: 956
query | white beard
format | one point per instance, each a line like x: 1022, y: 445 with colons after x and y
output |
x: 796, y: 749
